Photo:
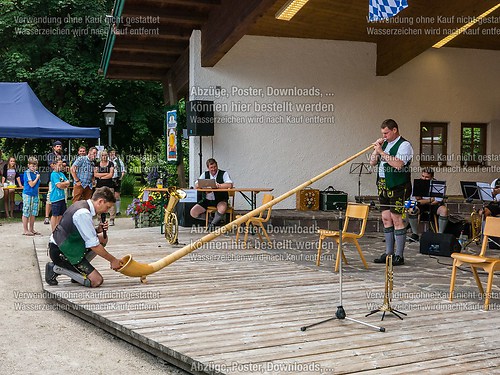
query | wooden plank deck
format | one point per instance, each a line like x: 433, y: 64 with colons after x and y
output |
x: 240, y: 311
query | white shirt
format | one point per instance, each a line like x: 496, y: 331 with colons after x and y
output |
x: 227, y: 180
x: 82, y: 219
x: 405, y: 154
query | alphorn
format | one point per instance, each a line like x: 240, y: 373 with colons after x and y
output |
x: 132, y: 268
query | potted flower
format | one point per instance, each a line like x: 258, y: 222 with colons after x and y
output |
x: 140, y: 211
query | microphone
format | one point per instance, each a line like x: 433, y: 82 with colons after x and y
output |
x: 103, y: 220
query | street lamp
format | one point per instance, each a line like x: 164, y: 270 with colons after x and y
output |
x: 109, y: 118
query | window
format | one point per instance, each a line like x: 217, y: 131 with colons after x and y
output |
x: 433, y: 139
x: 473, y: 147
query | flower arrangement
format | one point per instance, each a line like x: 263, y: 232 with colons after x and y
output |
x: 146, y: 213
x: 138, y: 207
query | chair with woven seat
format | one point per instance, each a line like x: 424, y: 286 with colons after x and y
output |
x: 229, y: 211
x: 488, y: 264
x: 358, y: 212
x: 257, y: 221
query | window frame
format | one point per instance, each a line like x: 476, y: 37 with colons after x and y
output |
x: 482, y: 142
x: 434, y: 125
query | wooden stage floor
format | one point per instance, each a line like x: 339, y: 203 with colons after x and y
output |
x: 224, y: 309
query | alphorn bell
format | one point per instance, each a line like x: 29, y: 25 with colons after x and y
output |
x: 132, y: 268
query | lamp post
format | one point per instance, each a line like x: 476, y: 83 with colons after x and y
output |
x: 109, y: 118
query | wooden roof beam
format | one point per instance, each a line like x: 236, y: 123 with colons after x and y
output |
x: 177, y: 78
x: 155, y: 45
x: 175, y: 16
x: 227, y: 24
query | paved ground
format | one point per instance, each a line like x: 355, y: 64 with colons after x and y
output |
x: 36, y: 338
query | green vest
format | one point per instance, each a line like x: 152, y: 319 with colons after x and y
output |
x: 67, y: 237
x: 393, y: 176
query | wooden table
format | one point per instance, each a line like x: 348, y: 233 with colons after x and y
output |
x: 252, y: 199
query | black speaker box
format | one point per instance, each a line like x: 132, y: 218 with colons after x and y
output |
x: 442, y: 244
x: 200, y: 118
x: 183, y: 217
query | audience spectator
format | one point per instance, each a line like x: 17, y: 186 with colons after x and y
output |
x: 118, y: 174
x: 57, y: 152
x: 30, y: 197
x: 10, y: 178
x: 57, y: 196
x: 2, y: 163
x: 82, y: 172
x: 103, y: 174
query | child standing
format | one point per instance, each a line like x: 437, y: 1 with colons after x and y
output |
x: 57, y: 197
x: 30, y: 197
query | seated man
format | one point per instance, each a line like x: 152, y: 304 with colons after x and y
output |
x: 217, y: 199
x: 75, y: 241
x: 493, y: 208
x: 431, y: 205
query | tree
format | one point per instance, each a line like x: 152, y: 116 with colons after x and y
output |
x: 56, y: 46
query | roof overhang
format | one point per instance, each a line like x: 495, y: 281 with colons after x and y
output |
x: 149, y: 39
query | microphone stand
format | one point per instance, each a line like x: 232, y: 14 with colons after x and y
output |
x: 359, y: 169
x: 341, y: 314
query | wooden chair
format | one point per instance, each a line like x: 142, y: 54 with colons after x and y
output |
x: 230, y: 209
x: 489, y: 265
x: 354, y: 211
x: 257, y: 221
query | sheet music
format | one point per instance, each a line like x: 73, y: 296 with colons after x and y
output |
x: 485, y: 191
x: 438, y: 189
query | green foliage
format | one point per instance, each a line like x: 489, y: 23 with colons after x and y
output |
x: 128, y: 182
x: 62, y: 69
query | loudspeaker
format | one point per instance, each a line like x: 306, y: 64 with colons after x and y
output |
x: 200, y: 118
x: 183, y: 216
x: 442, y: 244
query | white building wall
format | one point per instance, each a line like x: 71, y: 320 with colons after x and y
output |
x: 449, y: 85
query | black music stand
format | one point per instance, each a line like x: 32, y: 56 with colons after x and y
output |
x: 429, y: 188
x: 340, y: 314
x: 481, y: 191
x: 359, y: 169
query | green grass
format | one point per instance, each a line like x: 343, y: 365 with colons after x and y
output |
x: 125, y: 201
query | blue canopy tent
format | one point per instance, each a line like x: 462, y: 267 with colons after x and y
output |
x: 22, y: 115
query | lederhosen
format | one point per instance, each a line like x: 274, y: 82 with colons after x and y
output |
x: 395, y: 188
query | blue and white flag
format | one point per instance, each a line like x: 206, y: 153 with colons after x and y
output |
x: 379, y: 10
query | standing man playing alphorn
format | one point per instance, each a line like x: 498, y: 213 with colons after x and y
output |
x: 392, y: 153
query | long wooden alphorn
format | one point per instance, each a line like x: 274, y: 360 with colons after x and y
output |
x: 132, y: 268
